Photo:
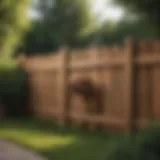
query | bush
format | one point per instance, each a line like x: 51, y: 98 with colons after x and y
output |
x: 143, y: 146
x: 13, y: 90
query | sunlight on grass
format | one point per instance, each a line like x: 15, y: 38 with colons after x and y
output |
x: 54, y: 142
x: 37, y: 140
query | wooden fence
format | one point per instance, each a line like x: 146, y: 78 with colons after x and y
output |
x: 124, y: 86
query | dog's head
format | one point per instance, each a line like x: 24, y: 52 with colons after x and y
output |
x: 82, y: 86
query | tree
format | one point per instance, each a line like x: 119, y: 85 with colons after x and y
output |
x: 61, y: 22
x: 75, y: 22
x: 146, y: 9
x: 112, y: 33
x: 13, y: 22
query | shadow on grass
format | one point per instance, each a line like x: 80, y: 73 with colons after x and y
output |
x: 60, y: 143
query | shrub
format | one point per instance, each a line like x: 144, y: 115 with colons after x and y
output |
x: 13, y: 90
x: 143, y: 146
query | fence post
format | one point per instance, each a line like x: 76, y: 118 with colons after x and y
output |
x: 130, y: 51
x: 63, y: 80
x: 94, y: 57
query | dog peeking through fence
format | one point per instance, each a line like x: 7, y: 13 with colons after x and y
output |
x: 91, y: 93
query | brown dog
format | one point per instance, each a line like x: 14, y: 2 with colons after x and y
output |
x: 91, y: 93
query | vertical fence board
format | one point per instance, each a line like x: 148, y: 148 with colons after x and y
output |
x: 62, y: 86
x: 156, y: 93
x: 94, y: 57
x: 143, y: 96
x: 129, y: 84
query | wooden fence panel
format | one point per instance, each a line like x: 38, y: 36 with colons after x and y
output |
x: 148, y: 86
x: 124, y: 85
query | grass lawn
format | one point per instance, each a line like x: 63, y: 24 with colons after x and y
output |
x: 56, y: 143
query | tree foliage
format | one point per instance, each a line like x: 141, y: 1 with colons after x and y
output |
x: 13, y: 22
x: 138, y: 29
x: 70, y: 22
x: 112, y: 33
x: 61, y: 22
x: 147, y: 9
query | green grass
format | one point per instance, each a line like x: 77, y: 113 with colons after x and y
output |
x: 58, y: 143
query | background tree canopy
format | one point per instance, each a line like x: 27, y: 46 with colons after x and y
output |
x: 13, y: 22
x: 146, y: 9
x: 72, y: 23
x: 61, y: 22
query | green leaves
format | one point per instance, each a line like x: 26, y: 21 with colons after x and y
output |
x: 61, y: 22
x: 143, y: 146
x: 147, y: 9
x: 14, y: 21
